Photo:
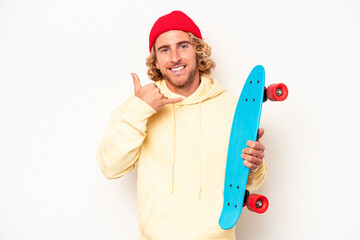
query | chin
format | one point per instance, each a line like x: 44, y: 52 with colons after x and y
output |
x: 180, y: 84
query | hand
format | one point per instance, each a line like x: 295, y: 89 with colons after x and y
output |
x: 151, y: 94
x: 253, y: 155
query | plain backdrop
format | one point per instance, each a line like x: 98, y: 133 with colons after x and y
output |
x: 65, y: 66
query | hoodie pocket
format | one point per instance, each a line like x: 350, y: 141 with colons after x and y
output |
x: 184, y: 215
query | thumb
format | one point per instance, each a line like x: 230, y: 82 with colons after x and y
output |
x: 137, y: 84
x: 260, y: 133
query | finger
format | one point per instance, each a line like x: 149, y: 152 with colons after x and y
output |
x: 254, y: 152
x: 172, y: 100
x: 255, y: 145
x: 251, y: 159
x: 137, y: 84
x: 260, y: 134
x: 250, y: 165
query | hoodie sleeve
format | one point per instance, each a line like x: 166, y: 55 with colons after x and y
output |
x: 119, y: 148
x: 256, y: 177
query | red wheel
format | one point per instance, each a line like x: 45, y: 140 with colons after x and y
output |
x: 277, y: 92
x: 257, y: 203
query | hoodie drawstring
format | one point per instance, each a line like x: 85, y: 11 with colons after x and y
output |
x: 208, y: 89
x: 173, y: 165
x: 199, y: 155
x: 200, y: 151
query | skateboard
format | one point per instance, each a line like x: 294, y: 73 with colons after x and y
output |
x: 245, y: 127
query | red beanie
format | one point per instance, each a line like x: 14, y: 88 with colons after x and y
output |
x: 175, y: 20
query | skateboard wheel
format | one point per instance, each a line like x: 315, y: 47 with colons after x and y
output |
x: 257, y: 203
x: 277, y: 92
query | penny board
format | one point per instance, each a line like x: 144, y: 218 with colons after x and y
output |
x: 244, y: 127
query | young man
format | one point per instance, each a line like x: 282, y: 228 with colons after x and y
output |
x: 177, y: 130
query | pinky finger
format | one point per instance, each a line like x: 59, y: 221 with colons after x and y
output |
x: 249, y: 165
x: 172, y: 100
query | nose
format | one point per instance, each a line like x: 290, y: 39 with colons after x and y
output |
x: 175, y: 56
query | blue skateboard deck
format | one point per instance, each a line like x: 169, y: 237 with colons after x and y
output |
x: 244, y: 127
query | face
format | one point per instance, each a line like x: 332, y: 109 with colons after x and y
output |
x: 176, y: 60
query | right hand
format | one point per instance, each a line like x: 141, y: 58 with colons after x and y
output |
x: 151, y: 94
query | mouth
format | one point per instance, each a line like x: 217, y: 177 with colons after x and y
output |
x: 177, y: 68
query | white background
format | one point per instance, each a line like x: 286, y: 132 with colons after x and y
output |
x: 65, y: 66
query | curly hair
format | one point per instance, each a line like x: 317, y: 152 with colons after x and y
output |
x: 203, y: 53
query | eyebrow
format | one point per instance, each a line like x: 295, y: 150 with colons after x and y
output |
x: 177, y: 44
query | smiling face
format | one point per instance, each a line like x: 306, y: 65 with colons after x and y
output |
x: 176, y: 59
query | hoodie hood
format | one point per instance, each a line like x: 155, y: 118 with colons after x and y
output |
x: 209, y: 88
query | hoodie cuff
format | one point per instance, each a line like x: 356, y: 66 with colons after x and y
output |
x: 259, y: 170
x: 257, y: 177
x: 136, y: 112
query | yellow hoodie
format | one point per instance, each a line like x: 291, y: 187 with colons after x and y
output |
x: 181, y: 154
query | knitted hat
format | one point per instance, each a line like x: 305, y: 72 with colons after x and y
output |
x: 175, y: 20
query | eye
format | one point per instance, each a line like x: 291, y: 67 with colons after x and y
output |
x: 164, y: 50
x: 184, y: 46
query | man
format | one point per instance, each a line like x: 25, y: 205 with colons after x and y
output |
x: 177, y: 130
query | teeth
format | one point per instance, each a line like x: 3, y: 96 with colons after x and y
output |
x: 178, y: 68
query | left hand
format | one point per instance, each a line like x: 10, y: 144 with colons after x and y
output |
x: 253, y: 155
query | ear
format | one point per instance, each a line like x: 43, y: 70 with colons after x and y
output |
x: 157, y: 64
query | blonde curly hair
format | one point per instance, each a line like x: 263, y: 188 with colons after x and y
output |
x: 203, y: 53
